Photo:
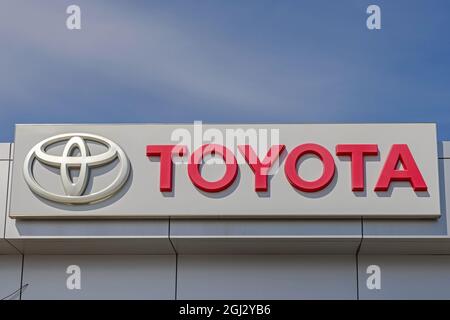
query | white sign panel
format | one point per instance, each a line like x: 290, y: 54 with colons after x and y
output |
x: 198, y: 170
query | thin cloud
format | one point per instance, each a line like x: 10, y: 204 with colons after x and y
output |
x: 155, y: 51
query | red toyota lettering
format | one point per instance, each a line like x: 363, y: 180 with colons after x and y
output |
x: 357, y: 152
x: 290, y: 167
x: 261, y: 169
x: 399, y: 166
x: 230, y: 170
x: 400, y: 154
x: 165, y: 154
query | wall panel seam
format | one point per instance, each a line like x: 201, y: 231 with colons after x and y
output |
x: 176, y: 261
x: 8, y: 177
x: 357, y: 258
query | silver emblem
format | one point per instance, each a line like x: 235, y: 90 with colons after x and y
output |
x: 75, y: 191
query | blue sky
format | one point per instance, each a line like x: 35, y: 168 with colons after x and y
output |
x: 224, y: 61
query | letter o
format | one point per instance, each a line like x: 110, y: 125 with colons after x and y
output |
x: 290, y: 167
x: 230, y: 170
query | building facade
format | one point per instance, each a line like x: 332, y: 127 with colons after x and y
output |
x: 157, y: 230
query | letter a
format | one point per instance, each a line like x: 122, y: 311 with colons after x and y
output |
x: 374, y: 20
x: 74, y: 20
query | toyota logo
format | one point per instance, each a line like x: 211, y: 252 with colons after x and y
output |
x: 75, y: 191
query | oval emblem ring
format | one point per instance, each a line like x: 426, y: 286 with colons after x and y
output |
x: 75, y: 192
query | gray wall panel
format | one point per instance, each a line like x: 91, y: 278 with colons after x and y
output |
x: 445, y: 149
x: 5, y: 151
x: 5, y: 247
x: 267, y: 236
x: 129, y: 246
x: 102, y: 277
x: 10, y: 273
x: 269, y: 227
x: 265, y: 245
x: 4, y: 165
x: 407, y: 277
x: 266, y: 277
x: 406, y: 245
x: 89, y: 236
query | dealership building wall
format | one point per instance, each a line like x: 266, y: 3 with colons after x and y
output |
x: 224, y: 258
